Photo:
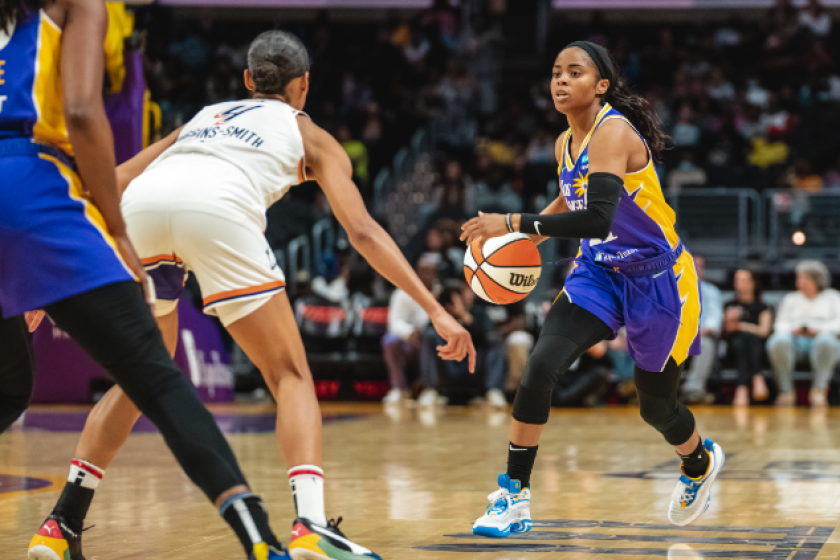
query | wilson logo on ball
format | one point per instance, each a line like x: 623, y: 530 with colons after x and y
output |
x: 505, y: 270
x: 522, y: 280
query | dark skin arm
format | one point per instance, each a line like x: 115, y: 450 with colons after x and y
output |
x: 87, y: 124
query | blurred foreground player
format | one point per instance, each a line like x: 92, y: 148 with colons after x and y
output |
x: 632, y: 271
x: 197, y: 201
x: 67, y: 251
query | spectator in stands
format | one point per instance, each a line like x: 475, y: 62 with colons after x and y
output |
x: 719, y: 88
x: 686, y: 133
x: 458, y: 302
x: 831, y: 181
x: 512, y: 334
x: 436, y: 251
x: 802, y: 178
x: 586, y: 381
x: 747, y: 324
x: 406, y: 323
x: 711, y: 318
x: 687, y: 173
x: 358, y: 154
x: 807, y: 328
x: 454, y: 198
x: 816, y: 19
x: 496, y: 195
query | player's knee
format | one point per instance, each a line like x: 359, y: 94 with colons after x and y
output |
x: 657, y: 411
x: 542, y: 369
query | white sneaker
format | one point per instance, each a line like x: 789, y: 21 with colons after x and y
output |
x: 394, y: 396
x: 692, y: 496
x: 509, y: 511
x: 428, y: 397
x: 496, y: 399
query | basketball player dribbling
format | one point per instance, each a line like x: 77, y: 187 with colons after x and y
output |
x: 197, y: 201
x: 64, y: 248
x: 632, y: 271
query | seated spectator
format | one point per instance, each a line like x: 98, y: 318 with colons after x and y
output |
x: 686, y: 133
x: 512, y: 333
x: 686, y: 174
x: 719, y: 87
x: 585, y: 382
x: 806, y: 329
x: 406, y: 323
x: 831, y: 181
x: 491, y: 356
x: 803, y: 178
x: 711, y: 318
x: 495, y: 195
x: 816, y: 19
x: 454, y: 198
x: 358, y: 154
x: 747, y: 324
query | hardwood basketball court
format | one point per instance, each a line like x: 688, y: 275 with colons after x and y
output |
x: 409, y: 485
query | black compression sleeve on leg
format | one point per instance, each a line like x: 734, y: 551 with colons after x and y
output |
x: 114, y: 326
x: 595, y: 221
x: 17, y: 369
x: 569, y: 331
x: 658, y: 404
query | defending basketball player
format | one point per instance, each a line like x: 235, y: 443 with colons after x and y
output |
x: 632, y: 271
x: 201, y: 206
x: 64, y: 248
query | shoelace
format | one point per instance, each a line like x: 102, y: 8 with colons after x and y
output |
x: 333, y: 525
x: 499, y: 498
x: 689, y: 492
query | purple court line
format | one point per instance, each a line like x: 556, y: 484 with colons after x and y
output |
x: 228, y: 423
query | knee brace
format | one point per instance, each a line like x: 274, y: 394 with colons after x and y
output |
x: 552, y: 356
x: 658, y: 404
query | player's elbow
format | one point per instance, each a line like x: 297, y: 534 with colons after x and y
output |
x: 79, y: 114
x: 362, y: 232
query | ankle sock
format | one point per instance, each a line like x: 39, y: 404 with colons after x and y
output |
x: 521, y: 463
x: 247, y: 517
x: 307, y: 482
x: 696, y: 463
x: 75, y: 499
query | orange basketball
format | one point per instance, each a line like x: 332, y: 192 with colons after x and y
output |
x: 505, y: 270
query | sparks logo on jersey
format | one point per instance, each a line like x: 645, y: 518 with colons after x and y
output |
x: 581, y: 184
x: 232, y: 113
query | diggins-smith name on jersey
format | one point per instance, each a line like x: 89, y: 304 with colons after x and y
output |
x: 210, y: 132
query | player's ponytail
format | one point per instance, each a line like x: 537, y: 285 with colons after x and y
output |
x: 641, y: 114
x: 15, y: 10
x: 636, y: 108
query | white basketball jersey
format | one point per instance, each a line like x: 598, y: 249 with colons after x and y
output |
x: 259, y: 136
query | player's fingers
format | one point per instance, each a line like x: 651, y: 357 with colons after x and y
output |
x: 471, y: 354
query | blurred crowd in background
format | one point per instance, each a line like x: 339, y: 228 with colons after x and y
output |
x: 747, y: 103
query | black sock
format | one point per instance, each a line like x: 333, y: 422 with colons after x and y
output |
x: 236, y: 511
x: 521, y: 462
x: 73, y: 505
x: 696, y: 463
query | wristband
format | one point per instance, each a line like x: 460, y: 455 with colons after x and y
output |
x: 507, y: 222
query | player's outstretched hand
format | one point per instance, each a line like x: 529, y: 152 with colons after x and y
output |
x: 484, y: 226
x: 458, y: 340
x: 130, y: 257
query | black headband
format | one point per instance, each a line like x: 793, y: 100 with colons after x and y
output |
x: 600, y: 57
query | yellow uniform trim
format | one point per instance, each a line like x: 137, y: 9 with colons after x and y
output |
x: 689, y: 290
x: 47, y: 90
x: 76, y: 192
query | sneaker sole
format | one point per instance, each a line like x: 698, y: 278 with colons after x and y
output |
x: 492, y: 532
x: 710, y: 482
x: 522, y: 527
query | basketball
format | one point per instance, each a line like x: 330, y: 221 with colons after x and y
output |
x: 506, y: 270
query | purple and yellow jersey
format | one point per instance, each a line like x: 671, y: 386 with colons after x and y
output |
x: 31, y: 97
x: 644, y: 223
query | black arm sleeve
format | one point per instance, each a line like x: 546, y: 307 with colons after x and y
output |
x: 595, y: 221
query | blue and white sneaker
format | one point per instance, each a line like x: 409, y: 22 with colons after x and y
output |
x: 509, y: 510
x: 692, y: 496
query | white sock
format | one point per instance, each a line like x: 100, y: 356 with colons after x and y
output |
x: 307, y: 483
x: 84, y: 474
